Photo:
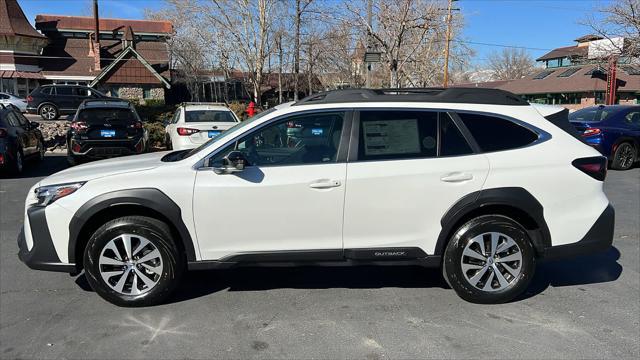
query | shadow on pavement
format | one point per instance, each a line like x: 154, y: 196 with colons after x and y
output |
x: 579, y: 271
x: 52, y: 163
x: 592, y: 269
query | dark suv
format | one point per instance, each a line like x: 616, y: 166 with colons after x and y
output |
x: 51, y: 101
x: 105, y: 128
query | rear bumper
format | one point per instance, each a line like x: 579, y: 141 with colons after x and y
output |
x: 42, y: 255
x: 598, y: 239
x: 108, y: 148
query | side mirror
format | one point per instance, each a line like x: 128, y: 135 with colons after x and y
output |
x: 234, y: 162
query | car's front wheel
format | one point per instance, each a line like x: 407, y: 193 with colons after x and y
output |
x: 489, y: 260
x: 131, y: 261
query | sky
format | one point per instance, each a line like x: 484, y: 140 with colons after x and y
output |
x: 539, y: 25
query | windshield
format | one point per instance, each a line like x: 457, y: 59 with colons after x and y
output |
x: 192, y: 116
x: 225, y: 135
x: 589, y: 115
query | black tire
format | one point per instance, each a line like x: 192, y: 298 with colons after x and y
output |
x: 624, y: 157
x: 17, y: 166
x: 159, y: 235
x: 48, y: 112
x: 71, y: 159
x: 41, y: 150
x: 453, y: 257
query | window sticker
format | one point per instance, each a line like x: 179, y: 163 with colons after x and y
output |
x: 316, y: 132
x: 388, y: 137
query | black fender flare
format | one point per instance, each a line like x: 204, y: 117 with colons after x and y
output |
x: 514, y: 197
x: 151, y: 198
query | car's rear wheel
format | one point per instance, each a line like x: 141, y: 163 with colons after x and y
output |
x: 489, y: 260
x: 48, y: 112
x: 131, y: 261
x: 18, y: 163
x: 624, y: 156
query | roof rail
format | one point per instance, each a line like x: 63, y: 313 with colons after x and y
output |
x: 204, y: 103
x: 441, y: 95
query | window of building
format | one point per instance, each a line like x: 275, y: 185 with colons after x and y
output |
x: 146, y: 92
x: 496, y: 134
x: 115, y: 91
x: 298, y: 140
x: 397, y: 134
x: 452, y: 142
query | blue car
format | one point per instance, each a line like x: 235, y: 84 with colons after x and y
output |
x: 613, y: 130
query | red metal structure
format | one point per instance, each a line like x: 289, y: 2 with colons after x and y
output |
x: 612, y: 81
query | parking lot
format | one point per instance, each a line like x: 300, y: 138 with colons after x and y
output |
x: 587, y: 307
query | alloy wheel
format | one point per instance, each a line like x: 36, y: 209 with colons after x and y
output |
x: 626, y: 155
x: 130, y: 264
x: 491, y: 261
x: 48, y: 112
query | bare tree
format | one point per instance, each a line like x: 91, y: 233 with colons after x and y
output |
x: 619, y: 19
x: 510, y: 63
x: 411, y: 36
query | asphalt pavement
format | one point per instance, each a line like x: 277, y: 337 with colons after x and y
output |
x: 582, y: 308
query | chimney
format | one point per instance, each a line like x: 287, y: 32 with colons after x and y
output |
x: 96, y: 37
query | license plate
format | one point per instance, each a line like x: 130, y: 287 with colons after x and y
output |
x: 214, y: 133
x: 107, y: 133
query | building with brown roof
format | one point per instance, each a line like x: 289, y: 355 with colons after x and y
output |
x: 132, y: 61
x: 20, y: 47
x: 576, y: 76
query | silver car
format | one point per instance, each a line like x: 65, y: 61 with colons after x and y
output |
x: 8, y: 99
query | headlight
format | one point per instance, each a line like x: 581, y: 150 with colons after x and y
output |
x: 48, y: 194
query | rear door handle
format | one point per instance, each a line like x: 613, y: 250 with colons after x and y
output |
x: 457, y: 177
x: 325, y: 184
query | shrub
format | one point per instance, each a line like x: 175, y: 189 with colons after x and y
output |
x: 155, y: 113
x: 156, y: 134
x: 240, y: 109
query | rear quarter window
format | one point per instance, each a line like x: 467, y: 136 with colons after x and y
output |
x: 497, y: 134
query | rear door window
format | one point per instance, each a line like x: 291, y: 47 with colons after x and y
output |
x: 63, y: 90
x: 633, y: 119
x: 497, y: 134
x: 397, y: 134
x: 452, y: 142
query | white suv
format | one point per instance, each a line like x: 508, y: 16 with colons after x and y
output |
x: 475, y: 181
x: 193, y: 124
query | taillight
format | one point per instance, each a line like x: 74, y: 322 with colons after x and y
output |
x: 29, y: 98
x: 137, y: 125
x: 76, y: 148
x: 186, y: 131
x: 79, y: 126
x: 596, y: 166
x: 591, y: 132
x: 3, y: 133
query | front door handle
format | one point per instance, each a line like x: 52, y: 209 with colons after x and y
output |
x: 457, y: 177
x: 325, y: 184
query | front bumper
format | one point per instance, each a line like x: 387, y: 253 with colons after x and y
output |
x: 42, y: 255
x: 598, y: 239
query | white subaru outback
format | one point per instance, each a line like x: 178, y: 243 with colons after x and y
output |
x: 474, y: 181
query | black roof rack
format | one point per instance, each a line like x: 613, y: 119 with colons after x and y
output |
x: 442, y: 95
